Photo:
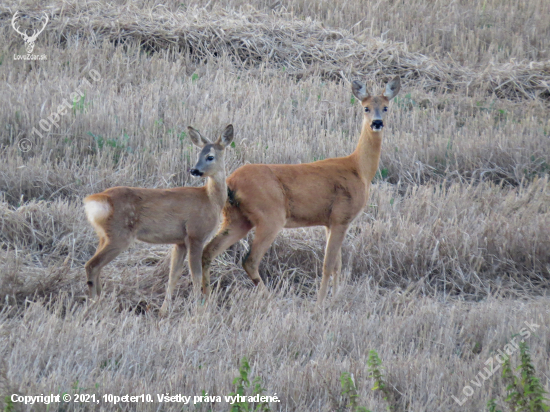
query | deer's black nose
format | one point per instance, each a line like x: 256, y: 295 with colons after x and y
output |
x: 196, y: 172
x: 377, y: 124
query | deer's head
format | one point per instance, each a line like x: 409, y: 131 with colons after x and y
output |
x: 210, y: 159
x: 375, y: 107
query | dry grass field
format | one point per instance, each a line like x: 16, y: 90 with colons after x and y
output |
x: 445, y: 265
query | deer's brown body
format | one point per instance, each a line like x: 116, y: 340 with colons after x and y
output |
x: 328, y: 193
x: 184, y: 216
x: 324, y: 193
x: 156, y: 215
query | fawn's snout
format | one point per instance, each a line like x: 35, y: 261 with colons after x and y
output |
x: 377, y: 125
x: 196, y: 172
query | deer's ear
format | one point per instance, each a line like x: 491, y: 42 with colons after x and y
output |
x: 359, y: 90
x: 226, y: 137
x: 392, y: 88
x: 197, y: 139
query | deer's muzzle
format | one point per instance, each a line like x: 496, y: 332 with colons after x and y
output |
x: 377, y: 125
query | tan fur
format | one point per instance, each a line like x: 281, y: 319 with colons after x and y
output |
x: 328, y: 193
x: 184, y: 216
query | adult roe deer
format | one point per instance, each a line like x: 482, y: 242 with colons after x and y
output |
x: 328, y: 193
x: 183, y: 216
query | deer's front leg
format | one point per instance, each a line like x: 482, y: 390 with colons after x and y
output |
x: 335, y: 238
x: 195, y: 263
x: 176, y: 263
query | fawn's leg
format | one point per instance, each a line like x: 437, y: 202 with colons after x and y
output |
x: 176, y: 263
x: 195, y: 263
x: 110, y: 249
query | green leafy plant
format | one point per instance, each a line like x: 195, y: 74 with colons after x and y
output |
x: 349, y: 390
x: 382, y: 174
x: 80, y: 106
x: 8, y: 407
x: 514, y: 397
x: 241, y: 383
x: 374, y: 364
x: 525, y: 393
x: 118, y: 145
x: 492, y: 406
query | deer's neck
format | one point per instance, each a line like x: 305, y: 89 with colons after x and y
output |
x: 216, y: 189
x: 367, y: 153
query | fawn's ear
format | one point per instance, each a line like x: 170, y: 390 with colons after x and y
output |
x: 197, y: 139
x: 392, y: 88
x: 359, y: 90
x: 226, y: 137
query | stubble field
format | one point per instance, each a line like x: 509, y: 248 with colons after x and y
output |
x: 447, y: 262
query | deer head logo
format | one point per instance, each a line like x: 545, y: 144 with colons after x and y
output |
x: 29, y: 40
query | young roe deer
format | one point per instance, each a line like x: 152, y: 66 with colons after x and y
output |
x: 183, y: 216
x: 328, y: 193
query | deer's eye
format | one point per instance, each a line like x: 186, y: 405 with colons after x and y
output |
x: 385, y: 108
x: 367, y: 110
x: 210, y: 158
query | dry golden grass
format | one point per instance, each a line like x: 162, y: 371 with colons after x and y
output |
x: 299, y: 47
x: 449, y: 259
x: 430, y: 348
x: 469, y: 32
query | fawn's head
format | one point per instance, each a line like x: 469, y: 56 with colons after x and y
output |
x: 210, y: 160
x: 375, y: 107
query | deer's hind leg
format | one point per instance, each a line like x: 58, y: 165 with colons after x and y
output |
x: 266, y: 232
x: 107, y: 250
x: 338, y: 270
x: 234, y: 228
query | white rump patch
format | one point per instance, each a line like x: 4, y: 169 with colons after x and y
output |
x: 97, y: 211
